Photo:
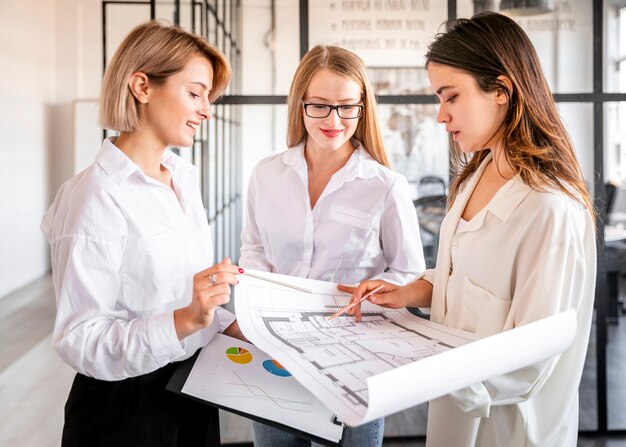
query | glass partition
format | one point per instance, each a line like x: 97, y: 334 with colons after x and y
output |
x: 615, y: 47
x: 417, y: 145
x: 615, y: 142
x: 562, y: 37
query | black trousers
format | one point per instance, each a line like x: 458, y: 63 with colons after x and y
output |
x: 136, y: 412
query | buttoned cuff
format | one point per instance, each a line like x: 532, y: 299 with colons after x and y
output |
x: 164, y: 342
x: 429, y: 275
x: 473, y: 400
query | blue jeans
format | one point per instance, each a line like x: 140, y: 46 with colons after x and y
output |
x: 366, y: 435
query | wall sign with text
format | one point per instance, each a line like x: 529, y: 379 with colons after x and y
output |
x: 384, y: 33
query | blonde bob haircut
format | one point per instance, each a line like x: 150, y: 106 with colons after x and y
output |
x: 159, y: 51
x: 347, y: 64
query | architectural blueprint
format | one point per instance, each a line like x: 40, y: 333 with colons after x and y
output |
x: 389, y: 361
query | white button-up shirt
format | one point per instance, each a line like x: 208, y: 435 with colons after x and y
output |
x: 124, y: 251
x: 363, y: 223
x: 527, y: 255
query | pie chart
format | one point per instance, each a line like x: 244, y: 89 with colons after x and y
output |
x: 239, y: 355
x: 273, y: 367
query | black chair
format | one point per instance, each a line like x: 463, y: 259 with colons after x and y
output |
x: 431, y: 185
x: 430, y: 212
x: 610, y: 189
x: 615, y: 258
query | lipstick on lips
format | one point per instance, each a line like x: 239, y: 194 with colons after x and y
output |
x: 331, y: 133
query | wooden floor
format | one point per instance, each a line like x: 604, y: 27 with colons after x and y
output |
x: 34, y: 382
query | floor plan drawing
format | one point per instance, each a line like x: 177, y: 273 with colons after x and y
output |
x: 347, y: 353
x: 389, y: 361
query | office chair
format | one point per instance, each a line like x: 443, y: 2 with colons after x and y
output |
x: 431, y: 185
x: 430, y: 212
x: 610, y: 188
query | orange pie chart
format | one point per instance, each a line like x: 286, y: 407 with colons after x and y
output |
x: 239, y: 355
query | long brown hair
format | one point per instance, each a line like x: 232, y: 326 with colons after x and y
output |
x: 349, y: 65
x: 536, y: 144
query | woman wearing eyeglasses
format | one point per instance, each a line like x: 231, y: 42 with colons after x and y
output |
x: 329, y: 207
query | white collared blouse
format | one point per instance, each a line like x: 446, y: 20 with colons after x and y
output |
x: 527, y: 255
x: 124, y: 250
x: 363, y: 225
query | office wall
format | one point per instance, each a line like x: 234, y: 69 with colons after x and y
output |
x: 49, y: 57
x: 270, y: 57
x: 27, y: 90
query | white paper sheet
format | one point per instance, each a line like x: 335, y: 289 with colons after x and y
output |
x: 390, y: 361
x: 237, y: 375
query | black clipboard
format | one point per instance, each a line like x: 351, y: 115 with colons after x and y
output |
x: 179, y: 377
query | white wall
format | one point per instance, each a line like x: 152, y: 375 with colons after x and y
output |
x: 27, y: 92
x: 265, y: 127
x: 49, y: 56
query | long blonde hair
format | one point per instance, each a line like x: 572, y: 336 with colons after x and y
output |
x: 349, y: 65
x: 158, y: 51
x: 534, y: 138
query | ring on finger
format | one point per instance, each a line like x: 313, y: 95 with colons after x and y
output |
x: 213, y: 278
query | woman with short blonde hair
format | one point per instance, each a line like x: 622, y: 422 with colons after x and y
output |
x: 136, y: 291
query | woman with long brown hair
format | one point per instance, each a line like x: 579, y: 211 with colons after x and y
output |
x: 518, y: 242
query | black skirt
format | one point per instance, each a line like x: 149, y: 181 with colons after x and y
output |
x: 135, y: 412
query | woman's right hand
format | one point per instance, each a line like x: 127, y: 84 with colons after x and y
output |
x: 365, y: 287
x: 415, y: 294
x: 211, y: 288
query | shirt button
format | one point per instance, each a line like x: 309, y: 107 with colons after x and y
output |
x: 455, y: 245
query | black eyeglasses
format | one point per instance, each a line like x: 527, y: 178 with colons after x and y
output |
x: 345, y: 111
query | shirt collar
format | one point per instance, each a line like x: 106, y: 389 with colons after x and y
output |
x: 119, y: 167
x: 184, y: 175
x: 115, y: 163
x: 360, y: 164
x: 508, y: 197
x: 294, y: 156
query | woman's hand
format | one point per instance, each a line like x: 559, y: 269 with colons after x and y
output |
x: 362, y: 289
x: 415, y: 294
x: 211, y: 288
